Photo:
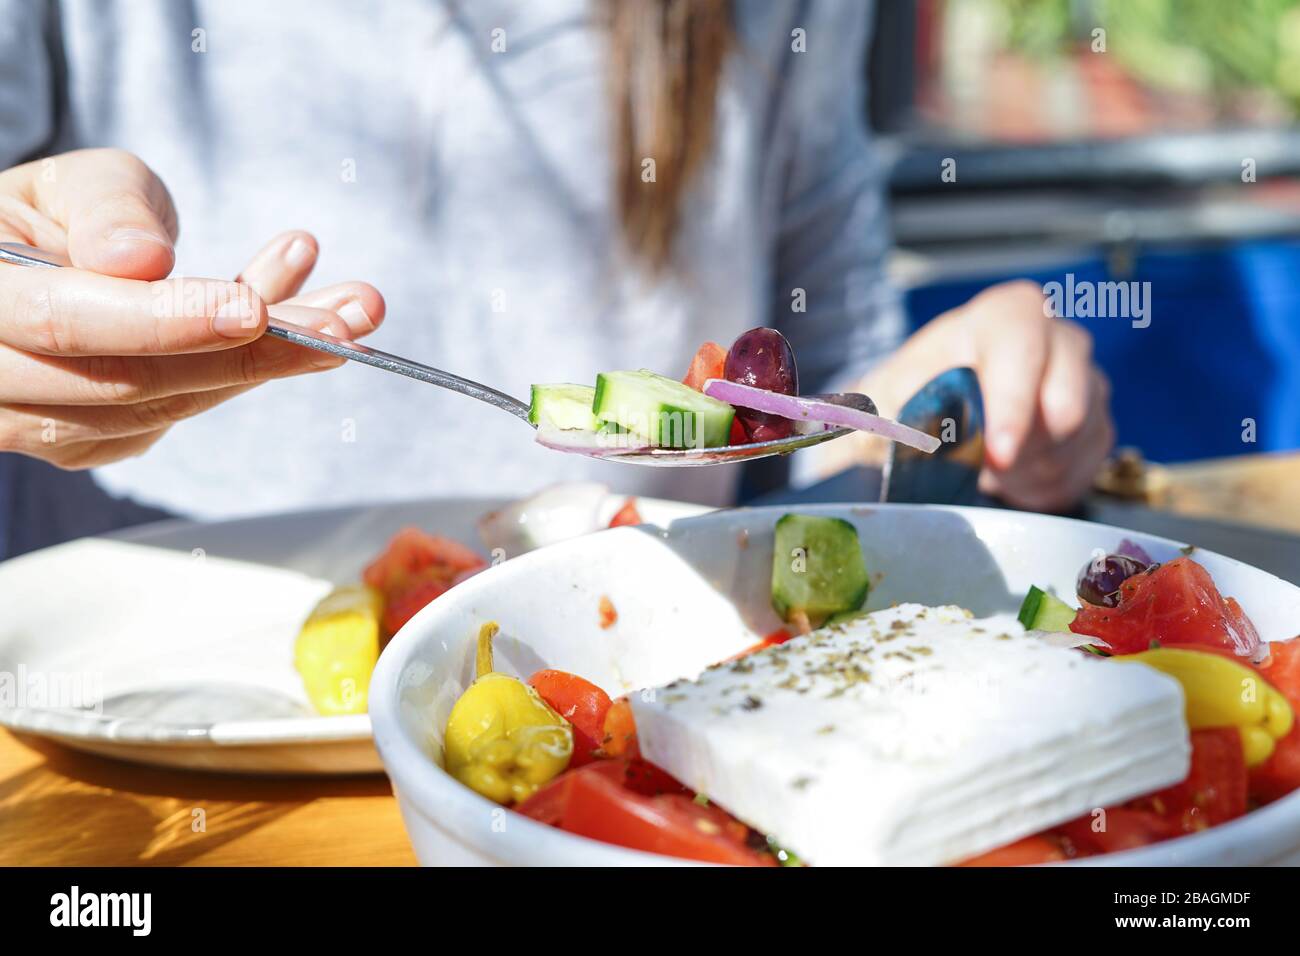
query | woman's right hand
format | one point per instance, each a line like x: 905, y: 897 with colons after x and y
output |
x: 99, y: 360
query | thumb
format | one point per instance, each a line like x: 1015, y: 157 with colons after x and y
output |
x: 118, y: 214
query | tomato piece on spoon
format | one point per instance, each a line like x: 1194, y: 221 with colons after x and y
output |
x: 711, y: 362
x: 708, y: 363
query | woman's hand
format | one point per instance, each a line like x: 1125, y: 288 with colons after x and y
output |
x: 1046, y: 405
x: 99, y: 360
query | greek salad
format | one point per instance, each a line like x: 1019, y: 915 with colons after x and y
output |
x: 743, y: 395
x: 1139, y: 709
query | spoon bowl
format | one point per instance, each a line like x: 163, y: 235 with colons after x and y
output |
x: 695, y: 457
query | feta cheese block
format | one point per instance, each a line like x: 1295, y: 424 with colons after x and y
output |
x: 915, y: 736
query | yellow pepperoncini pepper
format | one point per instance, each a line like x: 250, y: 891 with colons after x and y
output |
x: 502, y: 739
x: 1222, y: 693
x: 337, y: 648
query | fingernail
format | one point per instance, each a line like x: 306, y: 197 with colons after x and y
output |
x: 354, y: 314
x: 235, y: 318
x: 130, y: 234
x: 298, y: 253
x: 1002, y: 445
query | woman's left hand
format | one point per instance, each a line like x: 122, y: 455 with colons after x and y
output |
x: 1046, y: 405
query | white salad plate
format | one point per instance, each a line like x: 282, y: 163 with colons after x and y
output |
x: 698, y: 591
x: 172, y: 644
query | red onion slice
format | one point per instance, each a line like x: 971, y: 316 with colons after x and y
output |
x: 812, y: 410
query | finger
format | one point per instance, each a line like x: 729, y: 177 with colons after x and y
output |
x: 123, y: 380
x: 21, y: 223
x: 70, y: 312
x: 1012, y: 348
x: 281, y: 267
x: 1055, y: 476
x: 44, y: 425
x: 119, y: 215
x: 1081, y: 458
x: 93, y: 454
x: 1067, y: 381
x: 359, y: 304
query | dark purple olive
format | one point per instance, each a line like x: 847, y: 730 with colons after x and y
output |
x: 1100, y: 578
x: 763, y: 358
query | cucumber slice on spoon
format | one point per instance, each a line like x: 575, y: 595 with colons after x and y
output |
x: 594, y: 444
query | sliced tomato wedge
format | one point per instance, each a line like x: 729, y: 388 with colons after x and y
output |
x: 1279, y: 775
x: 581, y: 703
x: 1282, y: 669
x: 1120, y: 829
x: 595, y: 801
x: 1213, y: 793
x: 415, y: 568
x: 1028, y: 851
x: 415, y: 553
x: 626, y: 515
x: 404, y: 602
x: 1175, y: 603
x: 771, y: 640
x: 1215, y: 789
x: 645, y: 778
x: 619, y: 737
x: 709, y: 362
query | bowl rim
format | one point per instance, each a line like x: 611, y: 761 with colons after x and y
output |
x: 426, y: 787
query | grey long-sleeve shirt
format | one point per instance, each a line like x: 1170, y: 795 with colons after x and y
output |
x: 472, y: 187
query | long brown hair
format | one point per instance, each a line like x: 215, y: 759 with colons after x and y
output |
x: 666, y: 58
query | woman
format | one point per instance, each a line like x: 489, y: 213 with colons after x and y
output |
x: 540, y: 190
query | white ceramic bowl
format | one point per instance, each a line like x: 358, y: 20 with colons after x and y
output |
x: 697, y: 592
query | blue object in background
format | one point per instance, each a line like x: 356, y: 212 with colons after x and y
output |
x: 41, y: 505
x: 1223, y: 346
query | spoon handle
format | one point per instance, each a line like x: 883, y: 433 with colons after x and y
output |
x: 355, y: 352
x: 21, y: 255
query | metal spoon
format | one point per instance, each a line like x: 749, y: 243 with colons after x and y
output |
x: 21, y: 255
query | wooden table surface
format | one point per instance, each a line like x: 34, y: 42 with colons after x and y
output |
x: 62, y: 808
x: 59, y: 807
x: 1261, y: 490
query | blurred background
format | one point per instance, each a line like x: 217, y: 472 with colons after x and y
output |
x: 1128, y: 140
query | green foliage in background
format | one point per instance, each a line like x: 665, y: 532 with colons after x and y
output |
x: 1213, y: 47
